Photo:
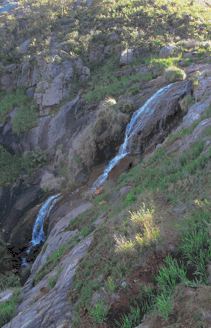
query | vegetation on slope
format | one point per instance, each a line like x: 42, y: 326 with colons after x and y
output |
x: 139, y: 24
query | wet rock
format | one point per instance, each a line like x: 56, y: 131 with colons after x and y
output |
x: 51, y: 309
x: 154, y: 127
x: 57, y: 235
x: 82, y: 175
x: 124, y: 165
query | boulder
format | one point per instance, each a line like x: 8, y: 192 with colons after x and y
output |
x: 96, y: 57
x: 82, y: 175
x: 6, y: 295
x: 50, y: 182
x: 113, y: 37
x: 124, y: 165
x: 23, y: 48
x: 126, y: 57
x: 165, y: 52
x: 124, y: 190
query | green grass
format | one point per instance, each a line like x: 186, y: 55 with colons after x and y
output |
x: 161, y: 171
x: 113, y: 84
x: 194, y: 251
x: 52, y: 282
x: 51, y: 262
x: 7, y: 309
x: 53, y: 259
x: 26, y: 117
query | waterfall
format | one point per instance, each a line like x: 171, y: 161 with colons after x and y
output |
x: 6, y: 5
x: 135, y: 123
x: 38, y: 233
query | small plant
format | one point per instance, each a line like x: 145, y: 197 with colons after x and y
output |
x: 34, y: 299
x: 131, y: 199
x: 195, y: 78
x: 173, y: 74
x: 131, y: 320
x: 7, y: 309
x: 165, y: 306
x: 99, y: 312
x: 111, y: 286
x: 145, y: 218
x: 52, y: 282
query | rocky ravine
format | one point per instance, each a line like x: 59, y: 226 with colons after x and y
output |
x: 68, y: 127
x: 51, y: 308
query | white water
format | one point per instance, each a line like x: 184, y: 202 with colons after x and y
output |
x: 135, y: 124
x: 38, y: 233
x: 6, y: 5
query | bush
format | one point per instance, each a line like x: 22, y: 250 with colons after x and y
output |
x: 7, y: 309
x: 186, y: 103
x: 8, y: 281
x: 173, y: 74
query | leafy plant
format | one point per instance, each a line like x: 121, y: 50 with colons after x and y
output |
x: 99, y: 312
x: 52, y: 282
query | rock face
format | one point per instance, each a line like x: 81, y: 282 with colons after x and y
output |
x: 158, y: 118
x: 52, y: 311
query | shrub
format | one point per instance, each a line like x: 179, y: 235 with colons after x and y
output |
x: 9, y: 280
x: 186, y: 103
x: 52, y: 282
x: 7, y: 309
x: 173, y: 74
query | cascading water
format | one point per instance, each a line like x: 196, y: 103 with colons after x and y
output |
x: 7, y: 5
x: 131, y: 129
x: 38, y: 233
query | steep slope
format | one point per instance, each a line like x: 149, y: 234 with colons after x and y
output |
x: 72, y: 79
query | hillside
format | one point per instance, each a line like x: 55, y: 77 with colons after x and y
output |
x: 80, y: 83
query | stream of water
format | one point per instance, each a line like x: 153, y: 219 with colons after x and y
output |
x: 38, y: 233
x: 135, y: 124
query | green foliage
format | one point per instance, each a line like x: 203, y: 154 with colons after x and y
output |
x: 52, y: 282
x: 7, y: 309
x: 113, y: 86
x: 26, y: 117
x: 173, y: 74
x: 133, y: 319
x: 99, y: 312
x: 9, y: 280
x: 131, y: 199
x: 12, y: 165
x: 38, y: 156
x: 50, y: 264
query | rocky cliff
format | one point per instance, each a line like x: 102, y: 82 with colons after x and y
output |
x: 68, y: 107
